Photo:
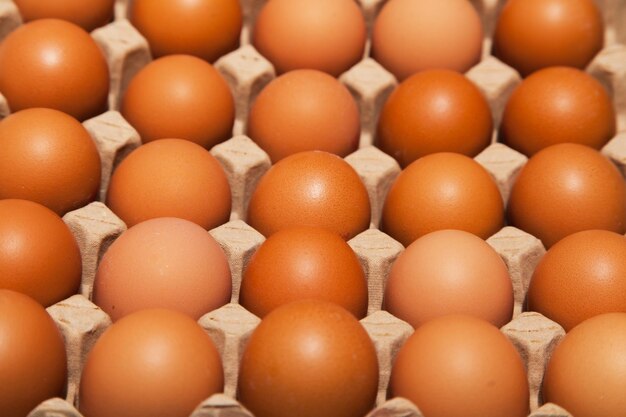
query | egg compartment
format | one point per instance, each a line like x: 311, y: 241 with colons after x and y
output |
x: 247, y: 72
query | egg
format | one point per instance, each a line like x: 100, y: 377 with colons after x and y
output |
x: 434, y: 111
x: 180, y: 96
x: 170, y: 178
x: 327, y: 35
x: 567, y: 188
x: 155, y: 362
x: 449, y: 272
x: 38, y: 253
x: 557, y: 105
x: 87, y: 14
x: 461, y: 366
x: 563, y: 32
x: 48, y: 157
x: 414, y: 35
x: 32, y: 355
x: 581, y: 276
x: 165, y: 263
x: 206, y: 29
x: 442, y: 191
x: 586, y: 372
x: 56, y: 64
x: 303, y: 262
x: 308, y: 358
x: 304, y: 110
x: 313, y: 188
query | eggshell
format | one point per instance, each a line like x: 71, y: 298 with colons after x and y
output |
x: 327, y: 35
x: 434, y: 111
x: 56, y: 64
x: 170, y: 178
x: 567, y: 188
x: 180, y: 96
x: 303, y: 262
x: 442, y: 191
x: 461, y: 366
x: 165, y: 263
x: 48, y: 157
x: 535, y: 34
x: 32, y: 355
x: 38, y: 254
x: 206, y: 29
x: 87, y: 14
x: 314, y: 188
x: 449, y: 272
x: 581, y: 276
x: 304, y: 110
x: 414, y: 35
x: 308, y: 358
x: 557, y: 105
x: 140, y: 366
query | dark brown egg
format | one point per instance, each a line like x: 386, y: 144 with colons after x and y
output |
x: 87, y: 14
x: 567, y: 188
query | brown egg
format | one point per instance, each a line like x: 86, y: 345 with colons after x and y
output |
x: 303, y: 262
x: 305, y: 110
x: 414, y: 35
x: 461, y: 366
x: 442, y: 191
x: 32, y: 355
x: 180, y: 96
x: 170, y: 178
x: 587, y: 371
x: 449, y: 272
x: 165, y: 263
x: 434, y: 111
x: 87, y: 14
x: 557, y: 105
x: 581, y: 276
x: 567, y: 188
x: 38, y: 253
x: 327, y: 35
x: 56, y: 64
x: 314, y: 188
x: 155, y: 362
x: 206, y: 29
x: 309, y: 358
x: 562, y: 32
x: 48, y: 157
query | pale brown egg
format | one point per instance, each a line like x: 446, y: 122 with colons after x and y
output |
x: 327, y: 35
x: 303, y: 262
x: 56, y: 64
x: 535, y: 34
x: 557, y: 105
x: 581, y: 276
x: 87, y: 14
x: 38, y: 253
x: 434, y: 111
x: 442, y: 191
x: 154, y: 362
x: 163, y: 263
x: 180, y: 96
x: 449, y: 272
x: 32, y: 355
x: 304, y: 110
x: 414, y: 35
x: 586, y: 374
x: 50, y: 158
x: 314, y: 188
x: 170, y: 178
x: 567, y: 188
x: 308, y: 359
x: 461, y: 366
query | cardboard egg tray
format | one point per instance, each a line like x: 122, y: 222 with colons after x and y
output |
x: 247, y: 72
